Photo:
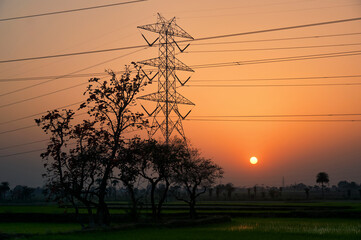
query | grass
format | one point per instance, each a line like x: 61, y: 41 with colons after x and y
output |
x: 37, y: 228
x: 239, y: 228
x: 54, y: 209
x: 50, y: 209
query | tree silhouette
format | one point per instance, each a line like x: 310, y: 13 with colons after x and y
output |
x: 4, y: 188
x: 219, y: 190
x: 196, y: 174
x: 322, y: 178
x: 307, y: 191
x: 156, y: 167
x: 72, y: 174
x: 84, y: 172
x: 22, y: 192
x: 129, y: 174
x: 230, y: 189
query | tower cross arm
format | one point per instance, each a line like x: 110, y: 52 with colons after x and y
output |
x: 157, y: 62
x: 160, y: 97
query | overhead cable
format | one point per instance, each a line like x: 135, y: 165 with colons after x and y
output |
x: 276, y: 85
x: 273, y: 120
x: 197, y: 39
x: 234, y: 63
x: 273, y: 48
x: 70, y: 10
x: 281, y: 59
x: 74, y: 72
x: 279, y: 39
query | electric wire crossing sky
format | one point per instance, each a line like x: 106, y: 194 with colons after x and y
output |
x: 166, y: 115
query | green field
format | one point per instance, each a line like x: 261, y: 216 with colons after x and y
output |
x: 239, y: 228
x: 252, y: 227
x: 37, y: 228
x: 204, y: 207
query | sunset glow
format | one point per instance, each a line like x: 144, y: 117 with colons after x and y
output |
x: 253, y: 160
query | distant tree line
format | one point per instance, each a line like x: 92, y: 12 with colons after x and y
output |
x: 18, y: 193
x: 116, y: 191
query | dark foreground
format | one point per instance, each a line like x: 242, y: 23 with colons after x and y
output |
x: 342, y: 221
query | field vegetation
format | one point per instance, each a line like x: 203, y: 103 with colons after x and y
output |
x: 238, y: 228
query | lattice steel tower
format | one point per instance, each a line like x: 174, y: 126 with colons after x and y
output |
x: 166, y: 115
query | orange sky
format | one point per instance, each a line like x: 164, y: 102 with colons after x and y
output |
x: 295, y: 150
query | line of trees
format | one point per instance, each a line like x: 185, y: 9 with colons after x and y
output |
x: 19, y: 192
x: 83, y: 160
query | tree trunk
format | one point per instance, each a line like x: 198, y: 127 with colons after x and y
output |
x: 161, y: 201
x: 192, y: 209
x: 103, y: 216
x: 133, y: 210
x: 323, y: 194
x: 90, y: 216
x: 154, y: 207
x: 77, y: 216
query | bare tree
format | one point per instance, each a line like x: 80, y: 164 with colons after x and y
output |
x: 85, y: 172
x: 196, y: 174
x: 156, y: 167
x: 71, y: 173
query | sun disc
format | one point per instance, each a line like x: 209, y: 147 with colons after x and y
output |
x: 253, y: 160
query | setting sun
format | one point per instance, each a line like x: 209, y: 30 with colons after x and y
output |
x: 253, y: 160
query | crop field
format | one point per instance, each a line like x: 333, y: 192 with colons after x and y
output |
x: 203, y: 207
x: 238, y: 228
x: 254, y: 220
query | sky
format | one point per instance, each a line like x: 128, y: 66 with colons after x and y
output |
x: 295, y: 150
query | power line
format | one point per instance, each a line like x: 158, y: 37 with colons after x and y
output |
x: 30, y: 126
x: 81, y: 43
x: 235, y: 63
x: 282, y: 59
x: 228, y: 8
x: 101, y: 74
x: 62, y: 76
x: 194, y: 44
x: 252, y: 79
x: 23, y: 144
x: 34, y: 78
x: 275, y: 48
x: 36, y: 114
x: 43, y: 95
x: 279, y: 85
x: 273, y: 120
x: 197, y: 39
x: 279, y: 29
x: 278, y: 79
x: 209, y: 117
x: 17, y: 129
x: 74, y: 54
x: 21, y: 153
x: 70, y: 10
x: 39, y: 78
x: 281, y: 115
x: 279, y: 11
x: 279, y: 39
x: 42, y: 149
x: 215, y: 118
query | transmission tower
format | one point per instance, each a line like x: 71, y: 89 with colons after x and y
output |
x: 166, y: 115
